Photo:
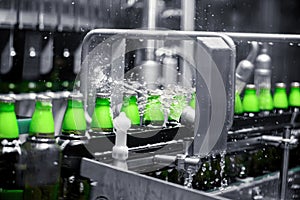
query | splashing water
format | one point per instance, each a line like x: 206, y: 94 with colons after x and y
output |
x: 224, y: 182
x: 188, y: 179
x: 101, y: 81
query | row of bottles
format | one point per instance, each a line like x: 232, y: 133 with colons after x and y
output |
x: 263, y: 103
x: 218, y: 172
x: 153, y: 112
x: 45, y: 167
x: 32, y: 170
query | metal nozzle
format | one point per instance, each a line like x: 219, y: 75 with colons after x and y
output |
x: 253, y: 52
x: 263, y: 61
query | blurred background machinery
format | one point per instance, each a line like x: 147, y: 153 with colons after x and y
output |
x: 41, y: 40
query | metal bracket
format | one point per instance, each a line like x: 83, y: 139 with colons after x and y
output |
x: 112, y: 183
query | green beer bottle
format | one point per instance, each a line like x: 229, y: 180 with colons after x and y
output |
x: 193, y: 100
x: 130, y: 107
x: 153, y: 113
x: 250, y: 101
x: 102, y: 116
x: 280, y: 100
x: 294, y: 97
x: 74, y: 186
x: 43, y: 155
x: 176, y: 108
x: 10, y: 151
x: 42, y: 122
x: 8, y: 120
x: 74, y: 120
x: 265, y: 101
x: 238, y: 106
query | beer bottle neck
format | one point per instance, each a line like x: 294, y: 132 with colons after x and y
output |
x: 295, y: 89
x: 280, y: 90
x: 7, y: 107
x: 75, y: 104
x: 250, y: 92
x: 43, y: 105
x: 130, y: 99
x: 102, y: 102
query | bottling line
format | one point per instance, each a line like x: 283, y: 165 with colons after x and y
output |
x: 149, y: 99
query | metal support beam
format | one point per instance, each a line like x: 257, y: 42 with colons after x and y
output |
x: 113, y: 183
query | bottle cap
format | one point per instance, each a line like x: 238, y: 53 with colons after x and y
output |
x: 130, y: 93
x: 43, y: 98
x: 155, y: 92
x: 295, y: 84
x: 103, y: 95
x: 6, y: 99
x: 250, y: 86
x: 280, y: 85
x: 75, y: 96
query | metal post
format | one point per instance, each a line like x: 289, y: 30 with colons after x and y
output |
x: 152, y: 16
x: 285, y: 164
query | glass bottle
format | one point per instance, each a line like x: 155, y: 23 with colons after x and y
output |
x: 153, y: 113
x: 176, y: 108
x: 265, y: 101
x: 74, y: 119
x: 43, y: 155
x: 238, y: 106
x: 74, y: 186
x: 130, y: 107
x: 102, y: 116
x: 294, y: 97
x: 250, y: 101
x: 42, y: 122
x: 280, y: 98
x: 8, y: 120
x: 10, y: 151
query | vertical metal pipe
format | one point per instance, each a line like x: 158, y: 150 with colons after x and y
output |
x: 187, y: 24
x: 283, y: 178
x: 188, y: 15
x: 151, y: 23
x: 152, y: 14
